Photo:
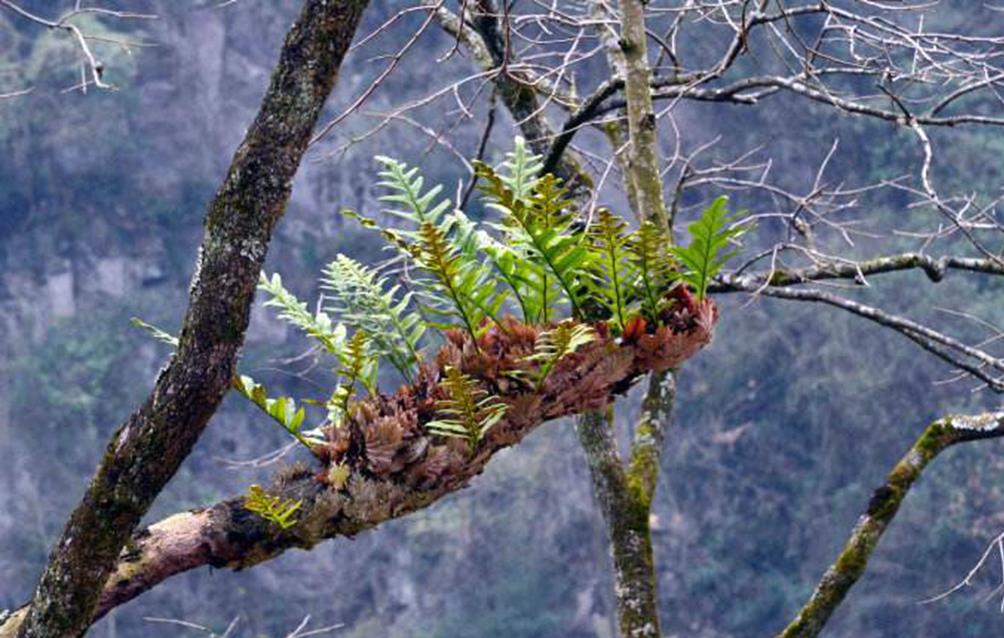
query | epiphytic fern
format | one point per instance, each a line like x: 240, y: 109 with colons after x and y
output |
x: 155, y: 332
x: 462, y: 280
x: 358, y: 366
x: 552, y: 345
x: 468, y: 413
x: 521, y: 169
x: 542, y: 227
x: 615, y: 271
x: 406, y: 197
x: 655, y: 269
x: 271, y: 508
x: 361, y: 298
x: 283, y: 410
x: 318, y: 325
x: 706, y: 253
x: 453, y: 281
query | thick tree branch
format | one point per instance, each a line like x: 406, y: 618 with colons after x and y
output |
x: 882, y: 508
x: 383, y: 464
x: 145, y: 453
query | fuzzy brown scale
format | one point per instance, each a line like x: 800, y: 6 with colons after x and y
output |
x: 384, y: 437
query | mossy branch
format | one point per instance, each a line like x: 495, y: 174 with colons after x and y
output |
x: 882, y: 508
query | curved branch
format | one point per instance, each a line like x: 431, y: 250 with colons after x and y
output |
x: 882, y: 508
x: 388, y: 465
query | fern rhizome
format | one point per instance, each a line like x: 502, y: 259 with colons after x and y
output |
x: 493, y: 326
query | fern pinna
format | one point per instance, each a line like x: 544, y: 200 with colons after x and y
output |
x: 598, y: 304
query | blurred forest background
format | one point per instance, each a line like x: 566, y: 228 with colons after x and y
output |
x: 783, y: 427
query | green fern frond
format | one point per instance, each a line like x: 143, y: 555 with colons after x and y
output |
x: 358, y: 366
x: 361, y: 298
x: 282, y: 410
x: 463, y: 281
x: 406, y: 197
x: 271, y: 508
x: 318, y: 325
x: 155, y: 332
x: 615, y: 272
x: 706, y: 254
x: 521, y: 169
x: 468, y: 413
x: 654, y: 267
x: 543, y: 227
x: 552, y: 345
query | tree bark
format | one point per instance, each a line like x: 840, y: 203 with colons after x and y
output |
x: 148, y: 449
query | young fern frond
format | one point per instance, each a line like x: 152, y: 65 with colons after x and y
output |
x: 544, y: 230
x: 283, y: 410
x: 706, y: 253
x: 356, y: 294
x: 615, y: 272
x: 318, y: 325
x: 358, y: 366
x: 271, y: 508
x: 654, y: 267
x: 552, y: 345
x: 463, y: 281
x: 468, y: 413
x: 521, y: 169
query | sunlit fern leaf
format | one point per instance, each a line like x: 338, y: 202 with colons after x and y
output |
x: 406, y: 197
x: 615, y: 272
x: 362, y: 299
x: 271, y: 508
x: 521, y: 169
x: 358, y: 366
x: 469, y: 412
x: 655, y: 268
x: 155, y: 332
x: 552, y: 345
x: 318, y: 325
x: 543, y: 226
x: 282, y: 410
x: 708, y: 250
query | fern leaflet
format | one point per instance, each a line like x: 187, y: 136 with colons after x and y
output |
x: 705, y: 255
x: 271, y: 508
x: 654, y: 267
x: 318, y: 325
x: 360, y: 297
x: 552, y: 345
x: 468, y: 413
x: 614, y: 270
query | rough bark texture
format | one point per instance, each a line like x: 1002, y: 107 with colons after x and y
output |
x: 625, y: 495
x: 389, y: 465
x: 643, y: 146
x: 145, y: 453
x: 885, y: 502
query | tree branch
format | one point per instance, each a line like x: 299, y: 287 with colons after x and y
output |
x: 384, y: 464
x: 882, y: 508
